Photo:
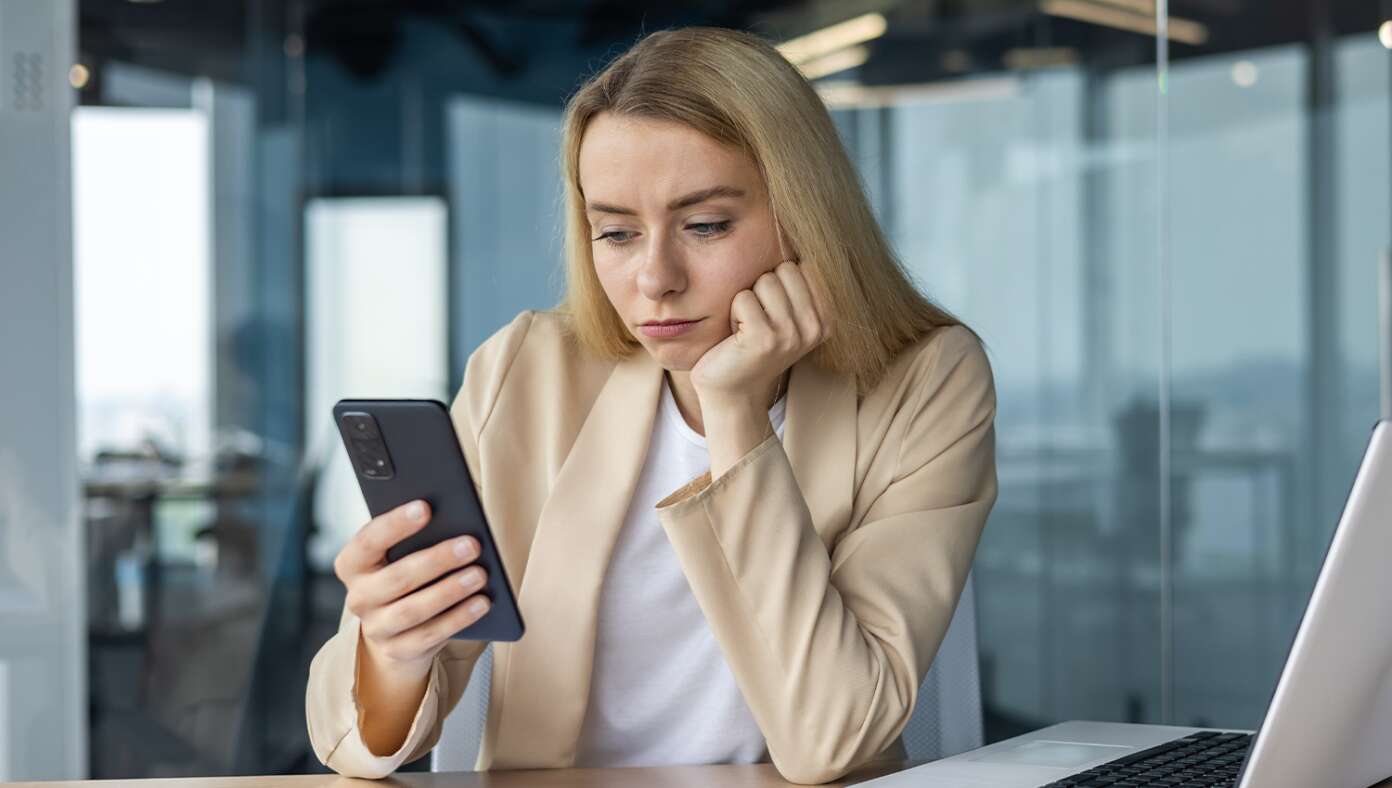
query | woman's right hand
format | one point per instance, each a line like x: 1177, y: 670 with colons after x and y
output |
x: 410, y: 607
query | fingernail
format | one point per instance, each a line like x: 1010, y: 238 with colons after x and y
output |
x: 416, y: 511
x: 478, y: 606
x: 470, y: 578
x: 463, y: 548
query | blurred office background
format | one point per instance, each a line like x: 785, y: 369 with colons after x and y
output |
x: 1172, y: 253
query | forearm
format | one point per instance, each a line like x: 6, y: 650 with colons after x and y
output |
x: 733, y: 429
x: 829, y: 646
x: 389, y: 696
x: 827, y: 694
x: 334, y: 715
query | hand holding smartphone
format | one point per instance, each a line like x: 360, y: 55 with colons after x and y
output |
x: 417, y: 578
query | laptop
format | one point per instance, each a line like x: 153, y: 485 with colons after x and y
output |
x: 1329, y: 723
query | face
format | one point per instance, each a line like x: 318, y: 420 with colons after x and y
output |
x: 678, y: 224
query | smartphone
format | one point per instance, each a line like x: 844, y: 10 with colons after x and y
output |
x: 406, y: 449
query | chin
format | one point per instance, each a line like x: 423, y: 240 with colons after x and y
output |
x: 675, y: 358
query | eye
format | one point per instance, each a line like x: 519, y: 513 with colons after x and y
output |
x: 709, y: 229
x: 613, y: 237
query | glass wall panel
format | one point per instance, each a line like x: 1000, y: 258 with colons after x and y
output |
x: 1279, y: 188
x: 1239, y: 245
x: 376, y: 290
x: 142, y: 238
x: 1027, y: 210
x: 505, y: 192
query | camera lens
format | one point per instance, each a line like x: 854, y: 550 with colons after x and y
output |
x: 371, y: 457
x: 361, y: 425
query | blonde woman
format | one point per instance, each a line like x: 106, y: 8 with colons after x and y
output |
x: 736, y: 536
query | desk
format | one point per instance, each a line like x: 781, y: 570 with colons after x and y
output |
x: 761, y: 775
x: 756, y: 776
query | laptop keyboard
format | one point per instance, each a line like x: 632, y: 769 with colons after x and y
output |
x: 1201, y: 760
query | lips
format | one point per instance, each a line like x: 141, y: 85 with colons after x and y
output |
x: 668, y: 328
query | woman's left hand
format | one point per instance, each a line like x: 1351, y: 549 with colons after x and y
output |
x: 774, y: 324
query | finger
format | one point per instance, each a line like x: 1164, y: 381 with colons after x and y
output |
x: 809, y: 318
x: 774, y: 298
x: 747, y: 314
x: 432, y: 633
x: 818, y: 299
x: 367, y: 550
x: 419, y: 607
x: 399, y: 578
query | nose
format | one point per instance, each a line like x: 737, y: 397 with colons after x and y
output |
x: 662, y: 272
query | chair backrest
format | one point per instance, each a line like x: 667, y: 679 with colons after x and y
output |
x: 946, y: 720
x: 458, y: 748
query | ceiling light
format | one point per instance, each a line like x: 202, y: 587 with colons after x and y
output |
x: 834, y: 62
x: 1244, y: 73
x: 78, y: 76
x: 1185, y: 31
x: 844, y: 94
x: 820, y: 43
x: 1024, y: 58
x: 1139, y: 6
x: 1385, y: 33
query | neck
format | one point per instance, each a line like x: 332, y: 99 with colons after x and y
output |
x: 690, y: 404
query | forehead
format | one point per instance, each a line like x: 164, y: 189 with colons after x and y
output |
x: 626, y: 156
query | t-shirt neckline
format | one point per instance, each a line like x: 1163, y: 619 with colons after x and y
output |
x: 673, y: 413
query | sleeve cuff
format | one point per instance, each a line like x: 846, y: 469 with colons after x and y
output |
x: 347, y: 753
x: 700, y: 488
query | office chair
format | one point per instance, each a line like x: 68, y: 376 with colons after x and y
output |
x: 946, y: 720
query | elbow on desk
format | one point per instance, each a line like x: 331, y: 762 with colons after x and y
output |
x: 812, y: 768
x: 359, y: 770
x: 812, y: 755
x: 811, y: 774
x: 351, y: 758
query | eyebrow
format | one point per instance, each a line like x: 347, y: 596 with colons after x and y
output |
x: 677, y: 204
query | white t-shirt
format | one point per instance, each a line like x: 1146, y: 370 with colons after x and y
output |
x: 661, y: 692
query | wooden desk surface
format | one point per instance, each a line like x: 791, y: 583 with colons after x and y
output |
x: 761, y: 775
x: 756, y: 776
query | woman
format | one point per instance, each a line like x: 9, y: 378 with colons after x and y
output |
x: 786, y: 603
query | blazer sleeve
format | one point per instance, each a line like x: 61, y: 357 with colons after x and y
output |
x: 331, y: 708
x: 829, y: 646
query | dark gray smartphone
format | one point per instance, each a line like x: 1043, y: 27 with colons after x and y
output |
x: 406, y: 449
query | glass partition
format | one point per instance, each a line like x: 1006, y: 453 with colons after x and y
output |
x: 1279, y: 187
x: 1169, y: 246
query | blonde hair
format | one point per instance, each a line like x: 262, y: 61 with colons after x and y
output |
x: 738, y: 90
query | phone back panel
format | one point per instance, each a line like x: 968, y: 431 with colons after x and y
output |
x: 429, y: 465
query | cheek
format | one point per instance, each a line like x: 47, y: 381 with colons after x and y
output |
x: 613, y: 276
x: 735, y: 264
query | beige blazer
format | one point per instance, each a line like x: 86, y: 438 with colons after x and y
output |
x: 828, y: 564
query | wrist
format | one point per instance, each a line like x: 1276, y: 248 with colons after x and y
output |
x: 390, y: 671
x: 716, y: 408
x: 733, y: 433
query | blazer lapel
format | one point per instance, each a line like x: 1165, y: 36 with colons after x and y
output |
x: 548, y: 672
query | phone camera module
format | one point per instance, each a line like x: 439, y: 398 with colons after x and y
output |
x: 369, y: 452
